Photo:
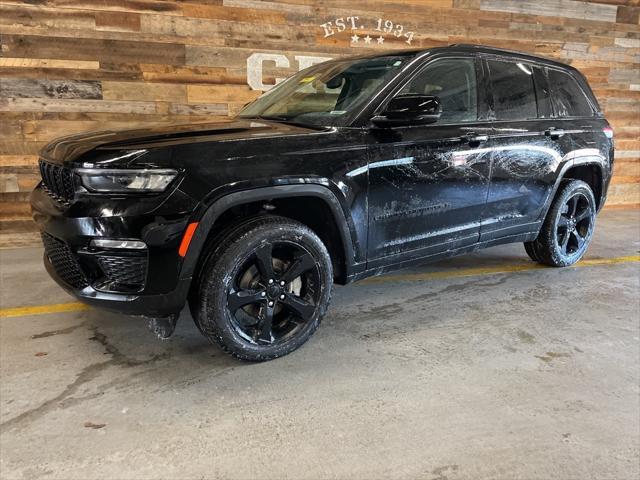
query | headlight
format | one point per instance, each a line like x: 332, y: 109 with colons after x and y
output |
x: 125, y: 180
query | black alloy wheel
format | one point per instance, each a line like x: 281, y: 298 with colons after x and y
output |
x: 568, y: 227
x: 274, y: 293
x: 574, y: 224
x: 264, y: 288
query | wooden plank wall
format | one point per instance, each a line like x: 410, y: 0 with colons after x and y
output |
x: 75, y: 65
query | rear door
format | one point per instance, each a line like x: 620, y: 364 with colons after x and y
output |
x: 575, y: 129
x: 524, y: 158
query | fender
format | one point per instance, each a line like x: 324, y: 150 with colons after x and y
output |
x: 587, y: 156
x: 218, y: 207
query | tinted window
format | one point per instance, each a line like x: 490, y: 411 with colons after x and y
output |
x: 568, y: 98
x: 453, y: 81
x: 543, y: 94
x: 513, y: 91
x: 327, y: 93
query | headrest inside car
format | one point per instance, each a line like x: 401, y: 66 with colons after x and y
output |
x: 335, y: 82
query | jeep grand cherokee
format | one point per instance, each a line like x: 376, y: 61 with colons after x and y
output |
x: 349, y: 168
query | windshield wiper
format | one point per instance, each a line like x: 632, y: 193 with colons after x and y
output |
x: 278, y: 118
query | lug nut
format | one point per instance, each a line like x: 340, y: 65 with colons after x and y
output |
x: 270, y: 280
x: 263, y: 294
x: 271, y: 304
x: 282, y: 283
x: 281, y: 297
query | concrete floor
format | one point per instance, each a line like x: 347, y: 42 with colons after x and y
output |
x: 522, y: 375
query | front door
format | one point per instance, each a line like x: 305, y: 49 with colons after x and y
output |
x: 428, y: 184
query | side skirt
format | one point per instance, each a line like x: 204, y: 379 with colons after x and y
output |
x: 382, y: 269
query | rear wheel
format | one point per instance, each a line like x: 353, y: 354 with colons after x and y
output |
x: 568, y: 227
x: 266, y: 289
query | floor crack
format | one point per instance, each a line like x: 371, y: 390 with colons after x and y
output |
x: 86, y: 375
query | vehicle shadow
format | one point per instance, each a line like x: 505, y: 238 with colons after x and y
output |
x: 122, y: 333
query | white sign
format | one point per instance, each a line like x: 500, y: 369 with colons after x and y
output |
x: 382, y: 29
x: 362, y: 33
x: 256, y: 64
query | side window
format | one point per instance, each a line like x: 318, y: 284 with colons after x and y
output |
x: 543, y: 93
x: 453, y: 81
x: 514, y: 96
x: 568, y: 98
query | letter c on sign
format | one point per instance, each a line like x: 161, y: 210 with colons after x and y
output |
x: 254, y: 68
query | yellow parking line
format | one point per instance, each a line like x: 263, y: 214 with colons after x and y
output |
x: 409, y: 277
x: 470, y: 272
x: 41, y: 309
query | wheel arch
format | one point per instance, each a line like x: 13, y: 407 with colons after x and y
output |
x: 590, y: 167
x: 268, y: 195
x: 592, y: 174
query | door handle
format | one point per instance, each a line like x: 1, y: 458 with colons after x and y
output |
x: 473, y: 139
x: 554, y: 132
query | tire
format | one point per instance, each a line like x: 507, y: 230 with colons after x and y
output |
x: 529, y: 247
x: 264, y: 289
x: 568, y: 227
x: 211, y: 249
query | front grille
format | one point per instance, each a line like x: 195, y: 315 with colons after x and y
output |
x: 64, y: 261
x: 127, y: 271
x: 58, y: 182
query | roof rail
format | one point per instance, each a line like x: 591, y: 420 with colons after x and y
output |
x: 489, y: 49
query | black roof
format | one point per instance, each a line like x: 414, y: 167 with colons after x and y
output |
x: 472, y: 48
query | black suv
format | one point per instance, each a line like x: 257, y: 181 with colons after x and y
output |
x: 348, y: 169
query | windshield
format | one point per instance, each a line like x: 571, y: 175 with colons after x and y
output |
x: 326, y: 94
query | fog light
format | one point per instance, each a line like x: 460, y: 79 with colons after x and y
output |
x: 126, y: 244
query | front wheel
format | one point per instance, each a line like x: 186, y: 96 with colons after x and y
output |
x: 265, y: 291
x: 568, y: 228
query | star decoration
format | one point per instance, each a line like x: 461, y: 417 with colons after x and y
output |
x: 355, y: 38
x: 367, y: 39
x: 380, y: 40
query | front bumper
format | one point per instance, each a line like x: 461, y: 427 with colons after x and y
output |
x: 158, y: 305
x: 146, y: 282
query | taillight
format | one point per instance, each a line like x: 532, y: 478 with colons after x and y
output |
x: 608, y: 131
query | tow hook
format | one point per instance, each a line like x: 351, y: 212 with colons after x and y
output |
x: 163, y: 327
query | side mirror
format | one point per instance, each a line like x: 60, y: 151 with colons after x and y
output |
x: 409, y: 109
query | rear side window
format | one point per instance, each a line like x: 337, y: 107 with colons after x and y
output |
x: 514, y: 96
x: 543, y: 92
x: 568, y: 98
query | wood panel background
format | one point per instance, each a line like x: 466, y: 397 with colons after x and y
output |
x: 76, y: 65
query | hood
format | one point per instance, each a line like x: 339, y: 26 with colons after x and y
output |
x: 74, y: 147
